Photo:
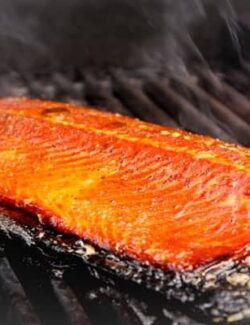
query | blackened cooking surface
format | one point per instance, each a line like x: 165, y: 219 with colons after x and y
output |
x: 218, y: 292
x: 43, y: 281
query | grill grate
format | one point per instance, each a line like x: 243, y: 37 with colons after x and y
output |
x: 35, y: 291
x: 204, y: 102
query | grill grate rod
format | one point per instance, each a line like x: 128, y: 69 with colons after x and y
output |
x: 69, y: 303
x: 205, y: 103
x: 230, y: 122
x: 16, y: 298
x: 189, y: 117
x: 131, y: 93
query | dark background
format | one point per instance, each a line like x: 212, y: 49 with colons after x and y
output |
x: 48, y: 34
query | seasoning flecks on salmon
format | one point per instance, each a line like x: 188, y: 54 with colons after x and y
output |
x: 158, y: 195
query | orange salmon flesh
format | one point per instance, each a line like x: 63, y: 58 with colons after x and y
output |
x: 158, y: 195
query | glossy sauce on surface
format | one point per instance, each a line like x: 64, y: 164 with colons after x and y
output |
x: 159, y: 195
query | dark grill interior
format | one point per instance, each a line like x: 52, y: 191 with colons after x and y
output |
x: 205, y: 102
x: 33, y: 288
x: 37, y: 287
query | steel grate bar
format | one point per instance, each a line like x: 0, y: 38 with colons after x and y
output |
x: 69, y: 302
x: 99, y: 93
x: 34, y: 275
x: 11, y: 85
x: 122, y: 306
x: 238, y: 80
x: 131, y: 93
x: 39, y: 88
x: 189, y: 117
x: 15, y: 295
x: 225, y: 93
x: 67, y: 89
x: 227, y: 119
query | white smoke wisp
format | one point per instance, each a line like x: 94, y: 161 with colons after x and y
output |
x: 14, y: 26
x: 181, y: 17
x: 128, y: 33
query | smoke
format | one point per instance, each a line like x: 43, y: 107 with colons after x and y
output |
x: 12, y: 24
x: 49, y: 34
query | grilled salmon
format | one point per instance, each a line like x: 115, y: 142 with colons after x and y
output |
x: 160, y: 196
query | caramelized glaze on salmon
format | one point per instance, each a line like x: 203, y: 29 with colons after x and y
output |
x: 158, y: 195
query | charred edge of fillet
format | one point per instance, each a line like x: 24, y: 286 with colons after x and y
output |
x: 219, y: 291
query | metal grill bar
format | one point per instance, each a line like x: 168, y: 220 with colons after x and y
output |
x: 100, y: 93
x: 189, y: 117
x: 69, y: 302
x: 204, y: 104
x: 232, y: 123
x: 234, y: 100
x: 15, y: 295
x: 131, y: 93
x: 239, y: 80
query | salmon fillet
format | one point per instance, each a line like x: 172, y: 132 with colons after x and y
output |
x: 158, y: 195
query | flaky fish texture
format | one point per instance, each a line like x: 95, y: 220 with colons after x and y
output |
x: 160, y: 196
